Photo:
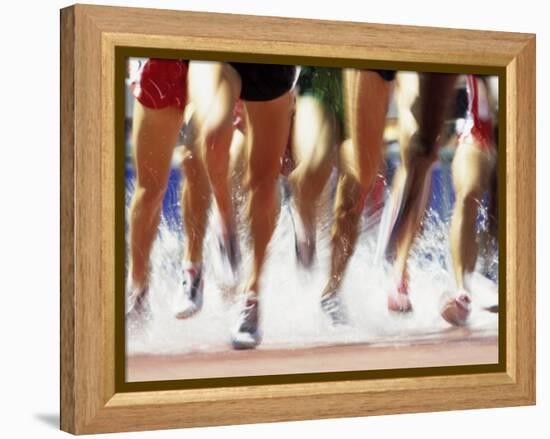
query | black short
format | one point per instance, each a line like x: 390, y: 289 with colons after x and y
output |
x: 387, y: 75
x: 264, y: 82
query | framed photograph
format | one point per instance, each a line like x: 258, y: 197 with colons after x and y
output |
x: 268, y: 219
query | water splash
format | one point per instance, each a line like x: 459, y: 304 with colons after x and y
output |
x: 290, y: 311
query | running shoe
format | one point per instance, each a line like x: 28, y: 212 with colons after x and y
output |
x: 246, y: 334
x: 188, y: 299
x: 457, y: 309
x: 137, y: 303
x: 304, y: 239
x: 332, y: 306
x: 399, y: 301
x: 229, y: 249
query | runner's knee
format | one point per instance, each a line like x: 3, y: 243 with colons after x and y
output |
x: 191, y: 163
x: 149, y: 194
x: 468, y: 197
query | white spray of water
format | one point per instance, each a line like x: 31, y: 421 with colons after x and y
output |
x: 290, y: 313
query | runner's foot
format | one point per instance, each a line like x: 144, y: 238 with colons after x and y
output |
x: 399, y: 301
x: 188, y: 299
x: 137, y: 303
x: 304, y: 238
x: 457, y: 309
x: 332, y: 306
x: 229, y: 248
x: 246, y: 334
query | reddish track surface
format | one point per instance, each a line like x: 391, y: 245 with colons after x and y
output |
x: 445, y: 351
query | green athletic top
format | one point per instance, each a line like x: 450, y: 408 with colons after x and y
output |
x: 324, y: 83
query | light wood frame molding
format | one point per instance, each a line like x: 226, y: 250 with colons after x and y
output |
x: 89, y: 36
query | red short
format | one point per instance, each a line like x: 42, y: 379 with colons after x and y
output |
x: 161, y: 83
x: 479, y: 121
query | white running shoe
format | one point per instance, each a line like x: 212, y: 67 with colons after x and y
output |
x: 188, y: 299
x: 246, y: 334
x: 332, y: 306
x: 137, y: 304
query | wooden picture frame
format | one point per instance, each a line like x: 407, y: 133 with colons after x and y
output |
x: 90, y: 399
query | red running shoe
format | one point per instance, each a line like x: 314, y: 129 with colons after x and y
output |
x: 400, y: 301
x: 457, y: 309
